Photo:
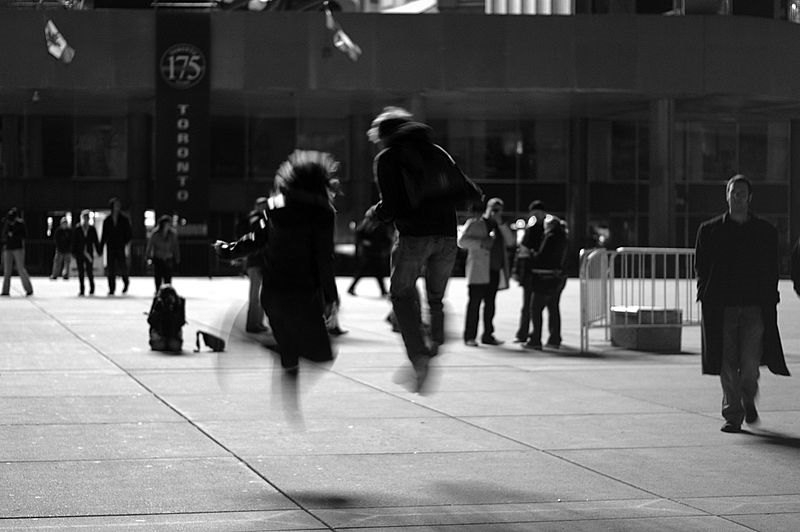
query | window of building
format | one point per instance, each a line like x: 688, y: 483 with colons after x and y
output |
x: 271, y: 140
x: 228, y: 147
x: 100, y: 147
x: 58, y: 142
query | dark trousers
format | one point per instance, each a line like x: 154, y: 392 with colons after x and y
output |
x: 117, y: 265
x: 525, y: 311
x: 85, y: 269
x: 481, y: 293
x: 550, y: 300
x: 297, y: 321
x: 370, y: 265
x: 162, y: 271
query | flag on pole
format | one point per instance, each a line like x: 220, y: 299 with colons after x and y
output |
x: 341, y: 40
x: 56, y: 43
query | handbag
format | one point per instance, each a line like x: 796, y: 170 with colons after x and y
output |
x: 215, y: 343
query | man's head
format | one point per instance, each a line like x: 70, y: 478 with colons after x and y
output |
x: 738, y: 193
x: 115, y: 204
x: 63, y: 221
x: 85, y: 215
x: 536, y: 209
x: 494, y: 207
x: 387, y: 123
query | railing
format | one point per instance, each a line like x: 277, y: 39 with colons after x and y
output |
x: 636, y: 288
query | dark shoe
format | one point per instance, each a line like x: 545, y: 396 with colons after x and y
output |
x: 731, y: 428
x: 91, y: 291
x: 80, y: 294
x: 532, y: 345
x: 351, y: 291
x: 553, y: 345
x: 111, y: 292
x: 125, y: 288
x: 337, y: 331
x: 491, y: 340
x: 66, y: 277
x: 751, y: 415
x: 471, y: 343
x: 52, y: 278
x: 28, y: 294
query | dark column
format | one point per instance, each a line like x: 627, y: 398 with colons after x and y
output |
x: 794, y: 180
x: 661, y: 221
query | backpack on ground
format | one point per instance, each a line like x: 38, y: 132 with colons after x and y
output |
x: 166, y: 318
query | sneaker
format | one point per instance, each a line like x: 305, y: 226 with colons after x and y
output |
x: 471, y: 343
x: 731, y: 428
x: 751, y: 415
x: 491, y: 340
x: 532, y: 345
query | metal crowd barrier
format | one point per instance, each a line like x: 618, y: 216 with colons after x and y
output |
x: 632, y: 289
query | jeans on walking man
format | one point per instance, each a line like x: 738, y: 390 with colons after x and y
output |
x: 426, y: 227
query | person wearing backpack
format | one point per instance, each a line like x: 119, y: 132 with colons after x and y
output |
x: 420, y: 188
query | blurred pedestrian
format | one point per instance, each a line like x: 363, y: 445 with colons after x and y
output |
x: 531, y: 241
x: 737, y: 286
x: 84, y: 245
x: 296, y: 237
x: 548, y: 278
x: 116, y: 235
x: 62, y: 258
x: 373, y: 244
x: 254, y: 264
x: 486, y: 239
x: 163, y: 251
x: 13, y: 240
x: 407, y: 167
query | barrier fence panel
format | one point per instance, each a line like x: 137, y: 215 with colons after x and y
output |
x: 634, y: 289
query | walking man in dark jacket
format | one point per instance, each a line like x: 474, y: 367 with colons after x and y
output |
x: 737, y: 285
x: 115, y: 238
x: 426, y: 227
x: 62, y: 257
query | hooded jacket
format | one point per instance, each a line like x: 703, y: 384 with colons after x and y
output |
x: 409, y: 148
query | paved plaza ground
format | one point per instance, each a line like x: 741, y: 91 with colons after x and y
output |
x: 97, y: 432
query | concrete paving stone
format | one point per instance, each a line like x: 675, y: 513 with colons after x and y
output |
x: 471, y: 379
x: 615, y: 377
x: 138, y: 356
x: 602, y: 431
x: 355, y: 436
x: 659, y: 524
x: 704, y: 471
x: 255, y: 521
x: 64, y: 383
x: 768, y: 521
x: 243, y: 381
x: 51, y: 355
x: 127, y: 487
x: 497, y: 514
x: 534, y: 402
x: 759, y: 504
x: 425, y: 479
x: 229, y: 407
x: 104, y: 441
x: 84, y: 409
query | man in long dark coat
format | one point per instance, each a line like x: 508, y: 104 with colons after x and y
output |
x: 737, y: 285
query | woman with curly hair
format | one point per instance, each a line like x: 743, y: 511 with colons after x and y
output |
x: 295, y: 236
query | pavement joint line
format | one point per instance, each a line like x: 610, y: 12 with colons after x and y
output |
x: 240, y: 459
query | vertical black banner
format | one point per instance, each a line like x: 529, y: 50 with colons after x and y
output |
x: 182, y: 118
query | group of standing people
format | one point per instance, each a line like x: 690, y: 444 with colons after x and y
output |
x: 539, y: 266
x: 83, y: 243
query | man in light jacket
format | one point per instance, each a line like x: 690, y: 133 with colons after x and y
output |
x: 486, y: 239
